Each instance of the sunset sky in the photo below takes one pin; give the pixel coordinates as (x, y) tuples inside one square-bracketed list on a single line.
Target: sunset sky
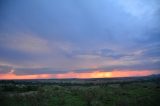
[(79, 38)]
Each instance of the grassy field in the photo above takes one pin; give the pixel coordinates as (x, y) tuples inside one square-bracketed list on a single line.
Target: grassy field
[(119, 93)]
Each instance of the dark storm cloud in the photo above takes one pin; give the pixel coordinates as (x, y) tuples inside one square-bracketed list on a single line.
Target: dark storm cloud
[(140, 67), (152, 52), (104, 53), (112, 54), (33, 71)]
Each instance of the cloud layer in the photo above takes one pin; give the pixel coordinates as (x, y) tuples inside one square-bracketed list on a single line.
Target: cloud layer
[(53, 37)]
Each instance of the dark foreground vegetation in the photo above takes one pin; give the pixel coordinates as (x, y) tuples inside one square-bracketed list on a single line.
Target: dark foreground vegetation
[(142, 91)]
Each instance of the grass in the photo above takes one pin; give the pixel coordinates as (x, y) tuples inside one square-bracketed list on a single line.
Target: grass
[(128, 94)]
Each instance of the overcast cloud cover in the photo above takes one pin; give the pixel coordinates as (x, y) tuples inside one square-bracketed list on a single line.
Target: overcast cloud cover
[(60, 36)]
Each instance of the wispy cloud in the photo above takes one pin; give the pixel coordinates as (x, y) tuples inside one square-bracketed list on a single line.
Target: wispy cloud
[(26, 42)]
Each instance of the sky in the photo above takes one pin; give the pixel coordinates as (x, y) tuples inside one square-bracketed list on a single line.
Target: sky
[(79, 38)]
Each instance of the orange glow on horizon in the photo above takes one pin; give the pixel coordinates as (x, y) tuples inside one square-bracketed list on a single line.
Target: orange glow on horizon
[(111, 74), (14, 76), (95, 74)]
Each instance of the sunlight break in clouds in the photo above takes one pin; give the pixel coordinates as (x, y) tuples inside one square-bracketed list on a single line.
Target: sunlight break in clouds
[(139, 8)]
